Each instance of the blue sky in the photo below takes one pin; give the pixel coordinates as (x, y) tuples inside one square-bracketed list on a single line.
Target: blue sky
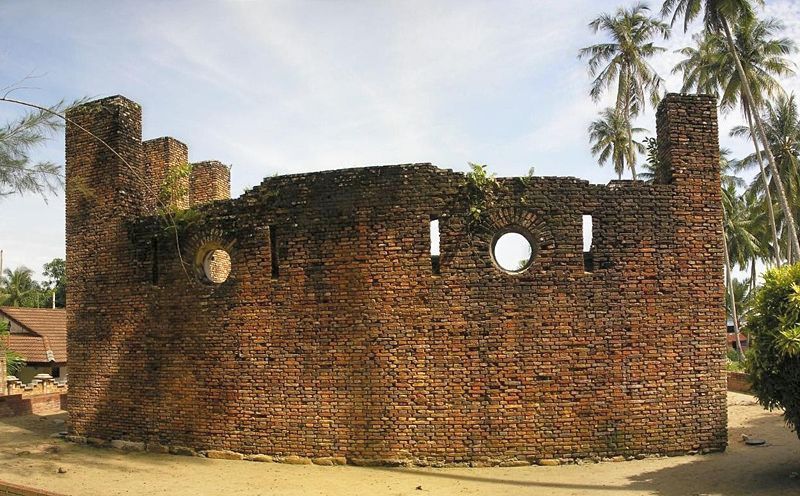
[(297, 86)]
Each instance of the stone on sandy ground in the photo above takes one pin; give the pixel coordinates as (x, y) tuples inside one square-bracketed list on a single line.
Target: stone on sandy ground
[(223, 455), (156, 448), (127, 445), (296, 460), (259, 458), (182, 450), (370, 462), (96, 441), (329, 460), (548, 462)]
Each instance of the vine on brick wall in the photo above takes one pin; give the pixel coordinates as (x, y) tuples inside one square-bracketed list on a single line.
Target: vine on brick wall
[(175, 186), (482, 189)]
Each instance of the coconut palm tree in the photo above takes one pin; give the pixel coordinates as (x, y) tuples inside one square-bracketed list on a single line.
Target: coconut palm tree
[(742, 294), (760, 227), (782, 124), (710, 68), (17, 287), (612, 140), (717, 18), (624, 61), (738, 243)]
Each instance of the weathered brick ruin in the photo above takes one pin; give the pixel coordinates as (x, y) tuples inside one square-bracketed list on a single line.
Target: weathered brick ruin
[(337, 334)]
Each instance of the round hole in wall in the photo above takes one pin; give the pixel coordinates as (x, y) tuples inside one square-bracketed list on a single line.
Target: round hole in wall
[(217, 266), (512, 250)]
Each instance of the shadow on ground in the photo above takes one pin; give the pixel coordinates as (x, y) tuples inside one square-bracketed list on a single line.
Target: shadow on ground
[(773, 469), (29, 456)]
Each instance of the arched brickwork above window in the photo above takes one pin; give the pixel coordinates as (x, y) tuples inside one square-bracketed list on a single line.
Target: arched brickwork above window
[(516, 219), (210, 256)]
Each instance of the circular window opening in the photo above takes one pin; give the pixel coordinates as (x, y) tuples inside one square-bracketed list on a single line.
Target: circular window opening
[(512, 251), (217, 266)]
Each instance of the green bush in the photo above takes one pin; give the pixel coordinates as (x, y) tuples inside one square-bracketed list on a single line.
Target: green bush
[(735, 364), (773, 328)]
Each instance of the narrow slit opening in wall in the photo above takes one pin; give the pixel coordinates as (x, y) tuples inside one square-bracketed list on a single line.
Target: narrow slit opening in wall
[(154, 261), (588, 253), (273, 251), (436, 261)]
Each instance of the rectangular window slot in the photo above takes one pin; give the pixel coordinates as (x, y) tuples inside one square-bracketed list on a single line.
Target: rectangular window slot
[(154, 261), (436, 263), (588, 253), (273, 251)]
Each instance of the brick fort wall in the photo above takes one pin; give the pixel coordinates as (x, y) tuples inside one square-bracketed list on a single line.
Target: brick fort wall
[(336, 333)]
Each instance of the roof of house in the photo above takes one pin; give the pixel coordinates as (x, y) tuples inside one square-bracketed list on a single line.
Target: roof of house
[(732, 337), (45, 336)]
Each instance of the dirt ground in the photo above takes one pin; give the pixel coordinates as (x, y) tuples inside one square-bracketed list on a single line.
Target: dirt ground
[(29, 456)]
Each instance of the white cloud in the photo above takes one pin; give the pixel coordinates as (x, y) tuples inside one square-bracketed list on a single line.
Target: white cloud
[(302, 86)]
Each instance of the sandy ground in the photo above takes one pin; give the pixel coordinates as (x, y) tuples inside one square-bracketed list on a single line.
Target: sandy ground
[(29, 456)]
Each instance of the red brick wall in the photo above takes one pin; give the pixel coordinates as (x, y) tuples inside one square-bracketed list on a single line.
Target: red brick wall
[(13, 405), (209, 181), (739, 382), (161, 155), (345, 343)]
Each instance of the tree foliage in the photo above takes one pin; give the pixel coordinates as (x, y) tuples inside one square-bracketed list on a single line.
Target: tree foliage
[(773, 328), (19, 173), (708, 66), (623, 61), (56, 273), (781, 119), (612, 141), (18, 288)]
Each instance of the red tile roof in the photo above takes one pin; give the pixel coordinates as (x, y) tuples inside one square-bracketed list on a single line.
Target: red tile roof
[(46, 331), (732, 337)]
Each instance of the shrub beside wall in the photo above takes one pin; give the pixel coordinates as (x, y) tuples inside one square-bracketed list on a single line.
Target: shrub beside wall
[(774, 333)]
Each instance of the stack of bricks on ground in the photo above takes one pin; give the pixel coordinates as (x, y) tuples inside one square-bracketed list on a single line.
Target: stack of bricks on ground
[(328, 330)]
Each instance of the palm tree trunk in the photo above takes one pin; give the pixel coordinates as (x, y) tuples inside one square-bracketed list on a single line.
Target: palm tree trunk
[(770, 209), (748, 97), (629, 118), (789, 253), (622, 107), (732, 295)]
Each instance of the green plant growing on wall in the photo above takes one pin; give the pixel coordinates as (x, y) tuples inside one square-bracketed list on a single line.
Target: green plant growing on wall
[(175, 187), (773, 328), (655, 170), (173, 190), (481, 188)]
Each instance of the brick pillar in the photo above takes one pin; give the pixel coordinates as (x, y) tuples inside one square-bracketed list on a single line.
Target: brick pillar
[(161, 156), (104, 191), (208, 182), (688, 143)]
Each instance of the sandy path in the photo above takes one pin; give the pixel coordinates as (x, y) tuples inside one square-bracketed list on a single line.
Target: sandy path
[(27, 457)]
